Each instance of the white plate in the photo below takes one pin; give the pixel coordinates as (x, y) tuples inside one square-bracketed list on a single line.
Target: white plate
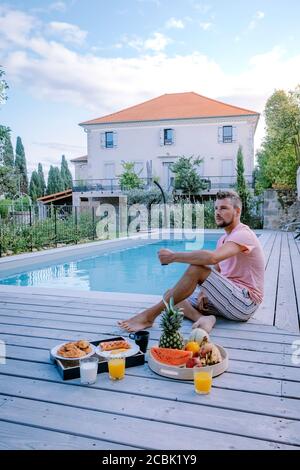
[(134, 348), (56, 348)]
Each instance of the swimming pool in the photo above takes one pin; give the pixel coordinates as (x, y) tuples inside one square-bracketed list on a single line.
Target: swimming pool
[(133, 269)]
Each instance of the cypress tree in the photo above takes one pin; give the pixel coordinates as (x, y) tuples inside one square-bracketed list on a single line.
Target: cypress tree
[(65, 173), (34, 186), (55, 184), (42, 183), (241, 186), (20, 165), (7, 150)]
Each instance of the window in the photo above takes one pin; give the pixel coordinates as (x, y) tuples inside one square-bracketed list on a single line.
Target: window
[(227, 134), (109, 140), (168, 136)]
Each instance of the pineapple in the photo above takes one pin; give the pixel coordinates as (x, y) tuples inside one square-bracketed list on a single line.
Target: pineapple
[(170, 323)]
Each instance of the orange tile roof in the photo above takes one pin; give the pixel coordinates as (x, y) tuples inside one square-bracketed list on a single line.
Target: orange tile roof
[(173, 106)]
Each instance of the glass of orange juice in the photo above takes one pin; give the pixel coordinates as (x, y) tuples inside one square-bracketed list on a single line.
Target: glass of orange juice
[(116, 367), (202, 379)]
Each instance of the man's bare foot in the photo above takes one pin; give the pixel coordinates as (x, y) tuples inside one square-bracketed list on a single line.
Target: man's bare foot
[(206, 323), (141, 321)]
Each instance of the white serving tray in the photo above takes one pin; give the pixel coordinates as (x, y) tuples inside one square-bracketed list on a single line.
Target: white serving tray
[(183, 373)]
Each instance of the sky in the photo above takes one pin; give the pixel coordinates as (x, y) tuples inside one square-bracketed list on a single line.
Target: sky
[(73, 60)]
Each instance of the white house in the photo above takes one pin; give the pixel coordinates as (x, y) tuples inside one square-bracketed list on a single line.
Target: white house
[(160, 131)]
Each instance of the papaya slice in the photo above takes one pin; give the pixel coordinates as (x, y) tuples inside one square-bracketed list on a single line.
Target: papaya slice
[(170, 357)]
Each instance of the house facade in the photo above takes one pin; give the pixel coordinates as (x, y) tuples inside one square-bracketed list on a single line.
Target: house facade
[(161, 130)]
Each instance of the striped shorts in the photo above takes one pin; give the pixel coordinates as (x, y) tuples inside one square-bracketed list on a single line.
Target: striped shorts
[(225, 299)]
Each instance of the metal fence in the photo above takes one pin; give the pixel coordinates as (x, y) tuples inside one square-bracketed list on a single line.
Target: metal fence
[(46, 226), (40, 227)]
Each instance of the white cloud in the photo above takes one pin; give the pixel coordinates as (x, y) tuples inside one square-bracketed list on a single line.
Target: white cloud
[(58, 6), (101, 85), (68, 32), (259, 15), (15, 26), (157, 42), (203, 8), (206, 26), (174, 23)]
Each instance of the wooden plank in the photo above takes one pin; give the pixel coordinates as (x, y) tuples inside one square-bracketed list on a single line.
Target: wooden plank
[(286, 316), (110, 318), (35, 325), (291, 389), (266, 311), (143, 382), (42, 355), (123, 429), (21, 437), (239, 382), (237, 365), (295, 260), (42, 338), (268, 243), (156, 409)]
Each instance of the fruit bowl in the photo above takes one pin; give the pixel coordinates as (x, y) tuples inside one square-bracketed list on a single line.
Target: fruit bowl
[(184, 373)]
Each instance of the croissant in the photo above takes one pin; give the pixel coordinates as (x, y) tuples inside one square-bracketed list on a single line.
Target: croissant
[(111, 345)]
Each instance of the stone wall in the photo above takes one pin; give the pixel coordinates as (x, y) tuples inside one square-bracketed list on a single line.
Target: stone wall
[(280, 207)]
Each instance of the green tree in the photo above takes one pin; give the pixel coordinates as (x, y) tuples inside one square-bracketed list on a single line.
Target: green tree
[(65, 173), (55, 184), (7, 148), (242, 187), (42, 183), (281, 146), (187, 178), (3, 87), (20, 166), (129, 179), (34, 186), (3, 97), (8, 182)]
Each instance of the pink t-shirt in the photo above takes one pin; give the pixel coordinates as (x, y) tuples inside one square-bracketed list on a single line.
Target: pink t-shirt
[(247, 268)]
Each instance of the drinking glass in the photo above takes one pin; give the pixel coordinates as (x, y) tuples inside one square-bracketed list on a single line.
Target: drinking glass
[(88, 370), (202, 379), (116, 367)]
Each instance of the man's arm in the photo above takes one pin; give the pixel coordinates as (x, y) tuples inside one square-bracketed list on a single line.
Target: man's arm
[(201, 257)]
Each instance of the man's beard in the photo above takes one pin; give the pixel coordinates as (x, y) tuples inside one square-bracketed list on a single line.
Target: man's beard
[(223, 224)]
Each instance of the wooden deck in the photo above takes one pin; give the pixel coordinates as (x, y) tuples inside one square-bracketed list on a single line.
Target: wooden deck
[(255, 405)]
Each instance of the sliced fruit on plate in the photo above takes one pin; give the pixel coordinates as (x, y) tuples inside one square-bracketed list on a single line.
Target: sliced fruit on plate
[(171, 357)]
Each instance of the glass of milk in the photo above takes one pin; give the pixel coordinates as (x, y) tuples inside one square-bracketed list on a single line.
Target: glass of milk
[(88, 370)]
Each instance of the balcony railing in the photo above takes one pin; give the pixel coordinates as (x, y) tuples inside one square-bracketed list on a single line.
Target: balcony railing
[(112, 185), (105, 185)]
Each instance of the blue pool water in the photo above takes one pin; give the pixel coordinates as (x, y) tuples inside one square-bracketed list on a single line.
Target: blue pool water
[(131, 270)]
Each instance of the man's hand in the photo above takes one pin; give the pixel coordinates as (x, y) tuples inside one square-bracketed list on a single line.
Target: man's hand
[(202, 302), (166, 256)]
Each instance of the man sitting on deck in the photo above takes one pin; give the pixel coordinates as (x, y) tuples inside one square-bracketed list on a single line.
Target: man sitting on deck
[(232, 289)]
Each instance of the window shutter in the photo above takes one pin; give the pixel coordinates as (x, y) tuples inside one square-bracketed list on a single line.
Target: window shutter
[(115, 139), (102, 140), (161, 137), (173, 137), (220, 134), (234, 133)]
